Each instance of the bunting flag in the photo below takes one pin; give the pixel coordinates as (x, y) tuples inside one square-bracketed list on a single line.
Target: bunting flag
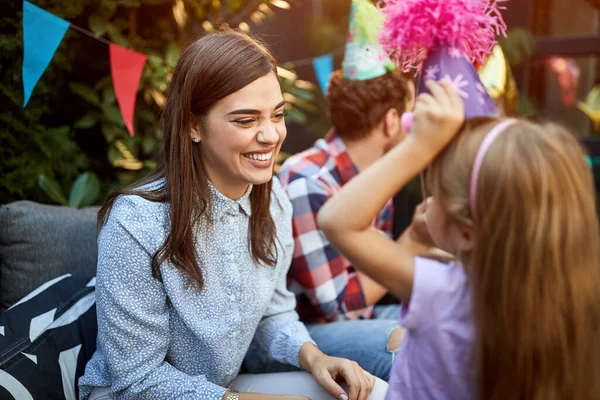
[(42, 33), (323, 66), (126, 67)]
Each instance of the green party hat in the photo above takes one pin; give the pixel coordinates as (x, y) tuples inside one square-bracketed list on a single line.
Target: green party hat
[(364, 57)]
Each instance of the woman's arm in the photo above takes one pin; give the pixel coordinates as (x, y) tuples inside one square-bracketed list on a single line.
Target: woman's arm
[(287, 340), (133, 317), (346, 217)]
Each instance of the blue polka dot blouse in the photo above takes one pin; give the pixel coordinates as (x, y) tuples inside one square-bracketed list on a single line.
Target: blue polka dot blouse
[(169, 340)]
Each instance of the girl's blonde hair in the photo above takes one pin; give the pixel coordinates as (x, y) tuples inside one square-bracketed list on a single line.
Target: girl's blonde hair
[(534, 273)]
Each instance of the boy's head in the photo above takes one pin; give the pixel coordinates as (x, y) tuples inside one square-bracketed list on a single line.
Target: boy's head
[(357, 108)]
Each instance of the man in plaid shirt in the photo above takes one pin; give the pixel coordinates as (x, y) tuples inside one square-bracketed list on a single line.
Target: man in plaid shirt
[(328, 288)]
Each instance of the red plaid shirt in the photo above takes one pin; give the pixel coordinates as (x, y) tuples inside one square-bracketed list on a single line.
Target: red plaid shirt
[(325, 283)]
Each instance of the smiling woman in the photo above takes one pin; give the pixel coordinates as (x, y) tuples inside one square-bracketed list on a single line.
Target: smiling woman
[(241, 134), (192, 260)]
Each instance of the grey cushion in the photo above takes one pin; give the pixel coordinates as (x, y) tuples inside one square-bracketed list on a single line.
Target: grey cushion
[(39, 242)]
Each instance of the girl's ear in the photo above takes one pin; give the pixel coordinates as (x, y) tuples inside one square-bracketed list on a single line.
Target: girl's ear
[(466, 241)]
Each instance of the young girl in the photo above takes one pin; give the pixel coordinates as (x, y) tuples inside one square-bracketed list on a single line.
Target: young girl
[(516, 316)]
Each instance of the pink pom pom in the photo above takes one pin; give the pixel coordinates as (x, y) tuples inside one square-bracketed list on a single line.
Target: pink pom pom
[(406, 121), (413, 27)]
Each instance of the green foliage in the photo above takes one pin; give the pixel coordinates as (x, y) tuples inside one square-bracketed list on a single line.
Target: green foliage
[(32, 141), (591, 107), (517, 46), (70, 144), (299, 95), (84, 191), (52, 189)]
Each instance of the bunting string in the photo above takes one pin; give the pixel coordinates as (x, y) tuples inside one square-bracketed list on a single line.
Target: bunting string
[(44, 31), (302, 62)]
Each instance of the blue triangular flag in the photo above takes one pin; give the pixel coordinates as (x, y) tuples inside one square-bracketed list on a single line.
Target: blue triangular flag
[(323, 66), (42, 33)]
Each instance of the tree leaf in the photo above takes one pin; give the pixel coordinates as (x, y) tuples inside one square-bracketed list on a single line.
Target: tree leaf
[(148, 145), (87, 121), (303, 93), (112, 132), (294, 115), (52, 189), (593, 98), (149, 164), (145, 115), (114, 154), (97, 24), (108, 9), (85, 92), (172, 53), (60, 131), (298, 102), (116, 36), (85, 190), (108, 95), (104, 82), (112, 113)]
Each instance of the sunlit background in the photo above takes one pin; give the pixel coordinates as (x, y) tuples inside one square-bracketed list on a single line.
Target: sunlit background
[(71, 135)]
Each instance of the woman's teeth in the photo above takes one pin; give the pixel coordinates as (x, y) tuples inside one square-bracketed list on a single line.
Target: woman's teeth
[(259, 156)]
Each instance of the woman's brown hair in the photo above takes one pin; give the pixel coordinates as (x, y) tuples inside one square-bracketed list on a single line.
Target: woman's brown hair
[(210, 69), (356, 107), (534, 273)]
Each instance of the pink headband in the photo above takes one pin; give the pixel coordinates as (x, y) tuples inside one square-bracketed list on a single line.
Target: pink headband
[(483, 149)]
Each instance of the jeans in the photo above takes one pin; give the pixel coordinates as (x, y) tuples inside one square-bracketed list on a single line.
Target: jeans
[(363, 341)]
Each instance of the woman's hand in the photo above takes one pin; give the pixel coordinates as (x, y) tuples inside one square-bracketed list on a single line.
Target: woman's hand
[(262, 396), (438, 116), (327, 371)]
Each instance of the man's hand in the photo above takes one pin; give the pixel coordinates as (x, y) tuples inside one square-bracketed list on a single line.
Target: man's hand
[(372, 291), (419, 232), (417, 239)]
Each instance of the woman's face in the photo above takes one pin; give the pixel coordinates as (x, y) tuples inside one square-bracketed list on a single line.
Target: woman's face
[(242, 136)]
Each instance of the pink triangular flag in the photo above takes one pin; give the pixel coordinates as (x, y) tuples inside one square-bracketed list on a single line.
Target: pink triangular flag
[(126, 68)]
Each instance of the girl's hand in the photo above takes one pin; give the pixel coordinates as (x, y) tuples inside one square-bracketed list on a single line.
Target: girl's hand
[(438, 116)]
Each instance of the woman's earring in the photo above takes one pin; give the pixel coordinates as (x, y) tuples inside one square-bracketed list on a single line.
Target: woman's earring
[(196, 139)]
